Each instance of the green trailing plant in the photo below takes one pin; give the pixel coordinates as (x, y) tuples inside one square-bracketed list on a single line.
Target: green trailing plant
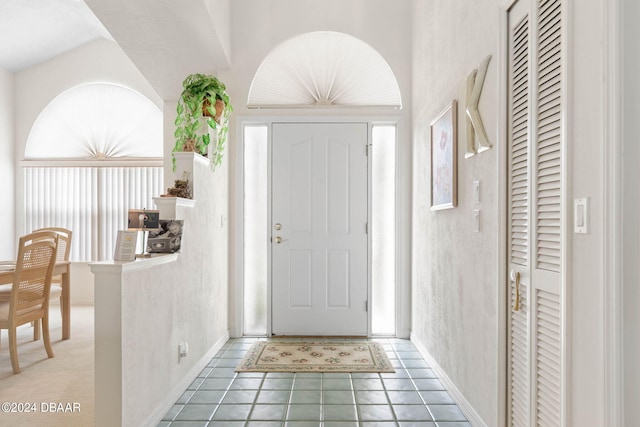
[(203, 100)]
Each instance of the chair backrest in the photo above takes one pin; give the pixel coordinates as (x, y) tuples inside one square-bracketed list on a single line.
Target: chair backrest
[(34, 268), (64, 242)]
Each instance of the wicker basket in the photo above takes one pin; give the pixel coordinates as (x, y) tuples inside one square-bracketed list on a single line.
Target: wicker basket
[(219, 109)]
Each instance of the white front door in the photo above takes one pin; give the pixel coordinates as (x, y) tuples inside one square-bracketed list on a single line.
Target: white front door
[(319, 229)]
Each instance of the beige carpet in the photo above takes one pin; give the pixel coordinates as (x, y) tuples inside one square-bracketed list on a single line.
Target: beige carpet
[(315, 356), (66, 379)]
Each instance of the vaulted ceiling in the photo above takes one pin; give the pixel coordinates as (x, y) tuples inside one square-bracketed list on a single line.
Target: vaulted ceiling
[(34, 31), (165, 39)]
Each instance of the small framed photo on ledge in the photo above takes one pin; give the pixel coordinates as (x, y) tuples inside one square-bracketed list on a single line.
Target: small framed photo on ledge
[(142, 219), (167, 239), (443, 132), (126, 245)]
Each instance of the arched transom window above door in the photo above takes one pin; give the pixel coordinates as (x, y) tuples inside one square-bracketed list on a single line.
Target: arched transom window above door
[(324, 69)]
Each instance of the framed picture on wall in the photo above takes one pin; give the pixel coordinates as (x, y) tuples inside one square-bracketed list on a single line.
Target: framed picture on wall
[(444, 142)]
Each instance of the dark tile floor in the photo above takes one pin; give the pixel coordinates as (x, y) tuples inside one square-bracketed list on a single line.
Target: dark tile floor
[(412, 396)]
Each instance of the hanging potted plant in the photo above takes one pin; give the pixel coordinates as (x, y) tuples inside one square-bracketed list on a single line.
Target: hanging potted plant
[(203, 104)]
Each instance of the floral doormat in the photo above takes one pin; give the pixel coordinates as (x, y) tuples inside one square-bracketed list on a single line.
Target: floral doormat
[(315, 356)]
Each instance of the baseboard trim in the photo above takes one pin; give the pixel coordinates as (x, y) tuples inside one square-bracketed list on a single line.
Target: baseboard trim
[(177, 391), (467, 409)]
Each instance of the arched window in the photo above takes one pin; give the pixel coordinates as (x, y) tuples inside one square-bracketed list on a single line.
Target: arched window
[(94, 152), (324, 69)]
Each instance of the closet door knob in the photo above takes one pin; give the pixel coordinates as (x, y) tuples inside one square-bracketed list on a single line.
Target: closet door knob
[(516, 304)]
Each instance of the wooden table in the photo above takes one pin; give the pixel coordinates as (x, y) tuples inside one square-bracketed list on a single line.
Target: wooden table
[(61, 268)]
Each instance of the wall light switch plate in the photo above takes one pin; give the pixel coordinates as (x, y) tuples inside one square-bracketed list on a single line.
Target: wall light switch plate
[(183, 350), (476, 220), (476, 191), (581, 216)]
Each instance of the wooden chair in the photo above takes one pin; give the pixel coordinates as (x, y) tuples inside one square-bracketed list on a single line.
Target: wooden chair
[(29, 300), (64, 248)]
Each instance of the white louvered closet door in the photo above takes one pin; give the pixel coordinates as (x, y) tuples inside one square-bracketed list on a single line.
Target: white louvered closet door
[(535, 108)]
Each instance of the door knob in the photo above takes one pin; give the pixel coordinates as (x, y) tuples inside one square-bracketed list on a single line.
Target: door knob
[(516, 276), (279, 239)]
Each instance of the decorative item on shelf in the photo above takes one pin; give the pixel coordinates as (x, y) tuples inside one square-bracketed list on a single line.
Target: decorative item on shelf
[(203, 104), (181, 188), (168, 238), (126, 245), (143, 220)]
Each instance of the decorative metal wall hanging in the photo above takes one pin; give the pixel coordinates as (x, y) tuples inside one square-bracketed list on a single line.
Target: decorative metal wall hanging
[(475, 127)]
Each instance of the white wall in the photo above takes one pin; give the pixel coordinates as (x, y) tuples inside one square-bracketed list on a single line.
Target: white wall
[(258, 27), (585, 154), (220, 12), (142, 315), (82, 291), (455, 273), (7, 169)]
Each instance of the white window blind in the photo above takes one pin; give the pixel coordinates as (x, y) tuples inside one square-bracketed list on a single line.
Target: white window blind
[(323, 69), (91, 201)]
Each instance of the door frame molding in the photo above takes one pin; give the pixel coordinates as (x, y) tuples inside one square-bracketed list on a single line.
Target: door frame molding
[(502, 156), (613, 216), (403, 303)]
